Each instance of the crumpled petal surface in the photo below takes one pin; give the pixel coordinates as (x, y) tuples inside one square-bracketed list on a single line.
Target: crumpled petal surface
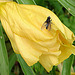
[(22, 24)]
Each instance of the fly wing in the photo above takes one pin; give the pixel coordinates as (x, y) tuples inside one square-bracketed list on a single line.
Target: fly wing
[(44, 26), (49, 26), (52, 23)]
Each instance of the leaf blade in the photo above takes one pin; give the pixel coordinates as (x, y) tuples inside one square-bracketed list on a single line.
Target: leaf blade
[(67, 66), (26, 2), (12, 60), (25, 68), (68, 6), (4, 64)]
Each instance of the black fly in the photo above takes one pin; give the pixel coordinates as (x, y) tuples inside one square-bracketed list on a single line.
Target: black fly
[(47, 23)]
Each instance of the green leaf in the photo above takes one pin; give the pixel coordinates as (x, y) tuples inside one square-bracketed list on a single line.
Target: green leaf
[(12, 73), (4, 65), (72, 22), (25, 68), (72, 2), (56, 6), (26, 2), (67, 65), (69, 5), (40, 2), (12, 60), (38, 68)]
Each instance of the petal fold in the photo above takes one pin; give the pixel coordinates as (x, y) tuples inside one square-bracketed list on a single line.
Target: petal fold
[(10, 34), (65, 53), (46, 62), (29, 50)]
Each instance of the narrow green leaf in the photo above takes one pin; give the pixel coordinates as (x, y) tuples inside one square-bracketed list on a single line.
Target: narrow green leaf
[(71, 2), (26, 2), (4, 65), (67, 65), (12, 60), (25, 68), (69, 5)]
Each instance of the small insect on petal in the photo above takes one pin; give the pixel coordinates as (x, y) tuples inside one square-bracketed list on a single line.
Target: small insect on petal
[(47, 23)]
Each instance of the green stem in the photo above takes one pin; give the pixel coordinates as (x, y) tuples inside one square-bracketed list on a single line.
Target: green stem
[(67, 66)]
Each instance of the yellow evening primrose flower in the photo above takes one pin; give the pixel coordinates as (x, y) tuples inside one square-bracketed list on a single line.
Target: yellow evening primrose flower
[(22, 24)]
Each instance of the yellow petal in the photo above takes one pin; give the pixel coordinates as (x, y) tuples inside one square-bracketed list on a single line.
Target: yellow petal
[(28, 16), (64, 40), (65, 53), (69, 34), (67, 43), (10, 34), (55, 53), (25, 24), (29, 50), (72, 49), (47, 61)]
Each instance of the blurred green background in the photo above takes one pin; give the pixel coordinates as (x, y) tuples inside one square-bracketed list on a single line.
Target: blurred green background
[(14, 64)]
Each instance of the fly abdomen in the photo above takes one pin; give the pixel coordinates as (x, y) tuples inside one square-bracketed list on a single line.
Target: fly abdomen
[(47, 26)]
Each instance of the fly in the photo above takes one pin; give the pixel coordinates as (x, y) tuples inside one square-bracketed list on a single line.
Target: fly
[(47, 23)]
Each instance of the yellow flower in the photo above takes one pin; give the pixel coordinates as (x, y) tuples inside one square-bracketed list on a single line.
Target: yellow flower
[(22, 24)]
